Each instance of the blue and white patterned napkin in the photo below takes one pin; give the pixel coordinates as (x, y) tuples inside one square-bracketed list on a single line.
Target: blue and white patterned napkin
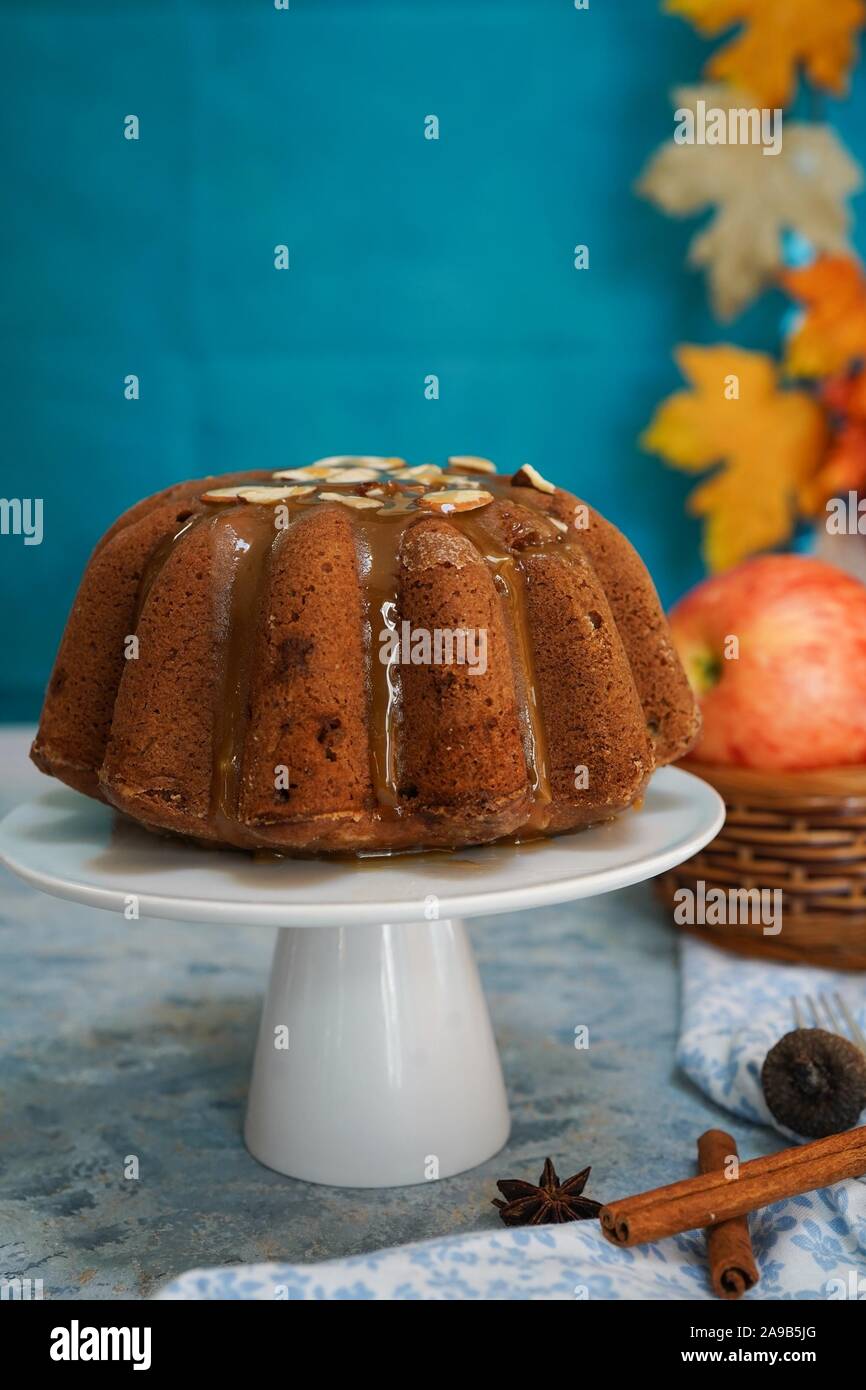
[(734, 1010), (811, 1247)]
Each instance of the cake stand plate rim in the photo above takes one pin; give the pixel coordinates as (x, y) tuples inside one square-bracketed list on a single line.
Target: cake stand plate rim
[(61, 843)]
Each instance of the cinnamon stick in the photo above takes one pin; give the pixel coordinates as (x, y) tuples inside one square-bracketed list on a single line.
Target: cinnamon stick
[(729, 1246), (711, 1197)]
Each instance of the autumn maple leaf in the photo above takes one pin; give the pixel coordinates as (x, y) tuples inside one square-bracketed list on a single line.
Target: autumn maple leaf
[(844, 468), (833, 331), (846, 395), (803, 187), (778, 37), (766, 442)]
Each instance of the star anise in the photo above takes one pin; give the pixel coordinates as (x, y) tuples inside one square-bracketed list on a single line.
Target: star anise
[(551, 1200)]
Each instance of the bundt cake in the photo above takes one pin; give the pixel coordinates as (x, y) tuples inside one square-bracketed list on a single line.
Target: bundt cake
[(363, 656)]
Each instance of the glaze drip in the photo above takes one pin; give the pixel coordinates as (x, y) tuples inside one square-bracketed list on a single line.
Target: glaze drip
[(378, 544), (158, 558), (510, 581), (243, 539)]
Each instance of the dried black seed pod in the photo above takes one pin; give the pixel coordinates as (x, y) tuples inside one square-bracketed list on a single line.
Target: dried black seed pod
[(815, 1082)]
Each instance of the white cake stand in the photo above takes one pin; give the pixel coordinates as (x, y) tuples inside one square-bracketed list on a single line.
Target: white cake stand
[(376, 1063)]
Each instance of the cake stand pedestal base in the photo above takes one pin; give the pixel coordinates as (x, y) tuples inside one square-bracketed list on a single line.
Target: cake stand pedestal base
[(376, 1064)]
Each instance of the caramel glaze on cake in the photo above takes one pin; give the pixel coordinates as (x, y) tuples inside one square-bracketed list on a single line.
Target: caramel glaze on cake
[(252, 708)]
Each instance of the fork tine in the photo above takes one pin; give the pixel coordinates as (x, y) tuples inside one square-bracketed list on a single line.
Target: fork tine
[(835, 1025), (798, 1017), (816, 1017), (856, 1030)]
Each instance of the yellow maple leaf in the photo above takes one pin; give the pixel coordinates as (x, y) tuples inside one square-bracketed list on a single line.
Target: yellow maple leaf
[(757, 197), (777, 37), (833, 330), (766, 444)]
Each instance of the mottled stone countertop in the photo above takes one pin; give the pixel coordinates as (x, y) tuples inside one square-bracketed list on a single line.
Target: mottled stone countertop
[(122, 1038)]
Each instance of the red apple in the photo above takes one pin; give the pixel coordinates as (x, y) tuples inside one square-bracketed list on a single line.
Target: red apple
[(795, 694)]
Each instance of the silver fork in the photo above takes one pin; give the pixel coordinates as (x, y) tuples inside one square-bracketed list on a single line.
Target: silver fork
[(832, 1017)]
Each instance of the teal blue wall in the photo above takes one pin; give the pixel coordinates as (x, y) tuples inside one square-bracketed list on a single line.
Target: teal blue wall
[(408, 257)]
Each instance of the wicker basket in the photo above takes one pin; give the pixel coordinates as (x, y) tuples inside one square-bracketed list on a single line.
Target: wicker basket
[(802, 832)]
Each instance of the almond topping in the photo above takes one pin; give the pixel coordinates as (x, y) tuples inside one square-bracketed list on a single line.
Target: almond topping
[(421, 473), (471, 464), (295, 475), (456, 480), (319, 472), (349, 499), (273, 494), (260, 492), (220, 494), (353, 475), (356, 460), (455, 500), (527, 476)]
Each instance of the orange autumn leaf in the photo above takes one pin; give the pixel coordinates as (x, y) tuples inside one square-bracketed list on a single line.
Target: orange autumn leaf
[(777, 37), (765, 443), (844, 469), (833, 331), (846, 395)]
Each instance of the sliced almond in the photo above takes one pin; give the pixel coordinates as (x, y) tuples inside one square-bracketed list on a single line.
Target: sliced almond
[(349, 499), (354, 475), (273, 494), (317, 473), (220, 494), (456, 480), (421, 473), (295, 475), (455, 499), (471, 464), (260, 492), (560, 525), (527, 476), (357, 460)]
